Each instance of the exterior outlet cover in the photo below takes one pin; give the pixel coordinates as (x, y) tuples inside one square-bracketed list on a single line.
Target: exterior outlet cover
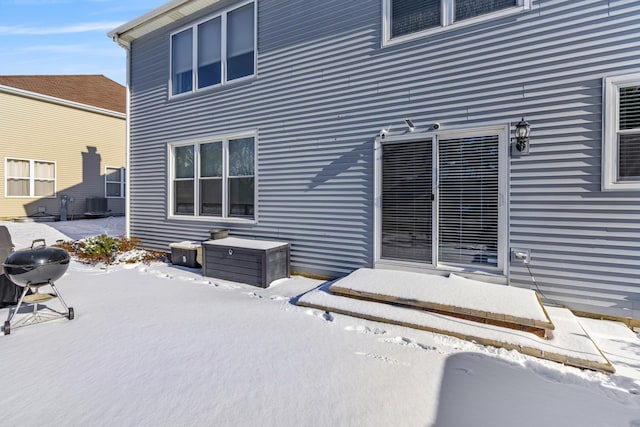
[(520, 255)]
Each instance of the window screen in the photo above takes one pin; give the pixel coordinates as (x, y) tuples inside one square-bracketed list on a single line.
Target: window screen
[(629, 134), (184, 179), (240, 42), (115, 182), (465, 9), (406, 201), (182, 61), (18, 174), (241, 177), (468, 200), (209, 53), (410, 16), (211, 179)]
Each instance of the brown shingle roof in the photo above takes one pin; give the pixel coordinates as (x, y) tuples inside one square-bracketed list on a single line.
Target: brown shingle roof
[(95, 90)]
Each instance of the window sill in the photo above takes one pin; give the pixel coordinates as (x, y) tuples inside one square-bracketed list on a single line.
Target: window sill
[(621, 186), (212, 219), (211, 89)]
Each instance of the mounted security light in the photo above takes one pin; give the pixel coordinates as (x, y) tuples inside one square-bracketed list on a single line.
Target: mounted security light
[(410, 125), (521, 140)]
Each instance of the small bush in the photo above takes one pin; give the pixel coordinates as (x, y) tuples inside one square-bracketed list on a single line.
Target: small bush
[(110, 250)]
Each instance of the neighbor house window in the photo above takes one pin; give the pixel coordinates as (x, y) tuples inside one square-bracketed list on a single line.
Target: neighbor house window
[(214, 178), (30, 178), (621, 135), (405, 18), (220, 49), (114, 182)]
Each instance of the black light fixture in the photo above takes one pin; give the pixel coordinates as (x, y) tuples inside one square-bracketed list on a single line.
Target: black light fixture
[(523, 129)]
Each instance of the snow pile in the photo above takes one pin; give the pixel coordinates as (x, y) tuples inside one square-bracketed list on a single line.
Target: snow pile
[(161, 345)]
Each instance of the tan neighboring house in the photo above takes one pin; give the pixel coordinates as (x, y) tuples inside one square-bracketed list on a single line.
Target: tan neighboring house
[(62, 146)]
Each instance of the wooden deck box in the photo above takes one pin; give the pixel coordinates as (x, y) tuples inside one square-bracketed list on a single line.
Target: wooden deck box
[(255, 262)]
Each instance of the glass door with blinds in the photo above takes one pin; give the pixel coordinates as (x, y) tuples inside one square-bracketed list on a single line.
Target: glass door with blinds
[(440, 201)]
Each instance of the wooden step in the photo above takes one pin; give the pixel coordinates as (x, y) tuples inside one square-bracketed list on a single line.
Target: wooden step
[(569, 344), (486, 303)]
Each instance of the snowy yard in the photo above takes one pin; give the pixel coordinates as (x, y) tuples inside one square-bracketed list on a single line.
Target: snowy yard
[(159, 345)]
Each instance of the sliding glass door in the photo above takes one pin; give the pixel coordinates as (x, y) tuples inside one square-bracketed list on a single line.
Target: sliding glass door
[(407, 227), (440, 201)]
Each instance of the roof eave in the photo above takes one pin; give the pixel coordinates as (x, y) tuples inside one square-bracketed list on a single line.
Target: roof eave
[(157, 18), (66, 102)]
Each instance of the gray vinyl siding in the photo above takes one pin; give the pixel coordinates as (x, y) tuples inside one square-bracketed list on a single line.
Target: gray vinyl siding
[(325, 87)]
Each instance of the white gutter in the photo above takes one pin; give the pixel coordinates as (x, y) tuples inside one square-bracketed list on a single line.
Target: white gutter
[(61, 101), (143, 19), (157, 18)]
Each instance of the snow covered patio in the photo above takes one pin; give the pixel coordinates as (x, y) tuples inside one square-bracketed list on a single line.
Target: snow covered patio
[(162, 345), (489, 314)]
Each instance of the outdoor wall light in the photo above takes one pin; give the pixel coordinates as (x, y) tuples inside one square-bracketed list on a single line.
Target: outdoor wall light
[(523, 129)]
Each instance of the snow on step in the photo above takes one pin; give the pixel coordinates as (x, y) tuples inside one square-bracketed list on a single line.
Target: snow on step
[(453, 294), (569, 345)]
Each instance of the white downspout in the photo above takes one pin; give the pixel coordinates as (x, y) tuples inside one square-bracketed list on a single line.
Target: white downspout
[(127, 209)]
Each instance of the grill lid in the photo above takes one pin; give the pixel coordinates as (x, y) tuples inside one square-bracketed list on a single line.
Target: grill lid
[(37, 256)]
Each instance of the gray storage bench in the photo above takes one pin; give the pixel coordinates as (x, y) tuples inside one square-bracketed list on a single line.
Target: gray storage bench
[(185, 254), (255, 262)]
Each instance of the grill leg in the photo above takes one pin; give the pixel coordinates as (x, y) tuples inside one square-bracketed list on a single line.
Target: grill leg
[(24, 292), (55, 291)]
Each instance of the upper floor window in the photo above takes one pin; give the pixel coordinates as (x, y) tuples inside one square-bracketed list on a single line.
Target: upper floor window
[(30, 178), (621, 135), (213, 52), (214, 178), (114, 182), (409, 18)]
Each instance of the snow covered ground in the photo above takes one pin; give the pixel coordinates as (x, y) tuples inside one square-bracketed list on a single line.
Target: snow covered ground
[(159, 345)]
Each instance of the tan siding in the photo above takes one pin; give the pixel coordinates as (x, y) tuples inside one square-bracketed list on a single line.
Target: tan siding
[(82, 144)]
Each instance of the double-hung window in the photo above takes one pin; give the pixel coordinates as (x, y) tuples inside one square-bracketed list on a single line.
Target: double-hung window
[(30, 178), (214, 178), (214, 52), (114, 182), (621, 135), (413, 18)]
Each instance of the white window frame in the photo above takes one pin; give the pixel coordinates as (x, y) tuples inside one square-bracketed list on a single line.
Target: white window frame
[(194, 45), (122, 182), (447, 20), (503, 190), (225, 176), (611, 109), (32, 178)]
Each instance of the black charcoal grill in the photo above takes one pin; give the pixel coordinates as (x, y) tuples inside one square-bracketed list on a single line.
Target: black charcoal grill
[(33, 269)]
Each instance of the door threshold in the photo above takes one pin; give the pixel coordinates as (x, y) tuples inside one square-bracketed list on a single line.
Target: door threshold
[(480, 275)]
